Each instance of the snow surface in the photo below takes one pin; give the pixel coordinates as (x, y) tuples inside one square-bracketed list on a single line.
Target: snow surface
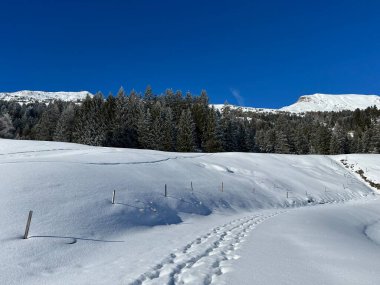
[(364, 162), (329, 244), (27, 96), (198, 234)]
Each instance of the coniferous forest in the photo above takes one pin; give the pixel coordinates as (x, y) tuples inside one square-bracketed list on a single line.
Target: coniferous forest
[(185, 123)]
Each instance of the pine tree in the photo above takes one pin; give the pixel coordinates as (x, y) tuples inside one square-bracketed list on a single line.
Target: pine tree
[(321, 140), (89, 127), (375, 140), (211, 142), (301, 140), (281, 144), (133, 111), (46, 126), (7, 130), (65, 125), (119, 132), (185, 139), (148, 95), (109, 116), (168, 129), (144, 130)]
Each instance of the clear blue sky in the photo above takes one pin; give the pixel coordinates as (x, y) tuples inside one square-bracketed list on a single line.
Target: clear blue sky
[(267, 52)]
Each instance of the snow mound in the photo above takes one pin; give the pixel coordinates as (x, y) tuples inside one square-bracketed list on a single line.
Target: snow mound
[(27, 96), (327, 103)]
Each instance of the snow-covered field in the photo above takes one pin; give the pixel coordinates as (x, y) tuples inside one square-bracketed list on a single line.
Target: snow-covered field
[(228, 218)]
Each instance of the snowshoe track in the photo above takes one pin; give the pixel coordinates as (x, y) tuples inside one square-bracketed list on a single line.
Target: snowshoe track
[(202, 260)]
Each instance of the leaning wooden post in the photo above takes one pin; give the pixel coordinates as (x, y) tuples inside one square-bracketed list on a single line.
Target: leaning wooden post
[(166, 190), (28, 224), (113, 196)]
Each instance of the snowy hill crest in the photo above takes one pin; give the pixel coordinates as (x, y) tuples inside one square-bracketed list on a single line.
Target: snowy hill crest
[(318, 103), (328, 102), (27, 96)]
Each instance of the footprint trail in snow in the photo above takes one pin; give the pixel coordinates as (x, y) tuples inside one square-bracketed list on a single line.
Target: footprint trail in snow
[(203, 260)]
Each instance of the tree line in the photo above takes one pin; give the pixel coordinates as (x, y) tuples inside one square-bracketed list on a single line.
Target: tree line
[(186, 123)]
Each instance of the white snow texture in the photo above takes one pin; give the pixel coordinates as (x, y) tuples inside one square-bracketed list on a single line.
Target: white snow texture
[(228, 218)]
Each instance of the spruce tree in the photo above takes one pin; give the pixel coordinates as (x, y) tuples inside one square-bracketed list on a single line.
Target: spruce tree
[(7, 129), (46, 126), (211, 142), (375, 140), (185, 138), (65, 125), (90, 128), (168, 130)]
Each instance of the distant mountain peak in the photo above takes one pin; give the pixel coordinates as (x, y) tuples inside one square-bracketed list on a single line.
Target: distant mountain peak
[(329, 102), (28, 96), (317, 103)]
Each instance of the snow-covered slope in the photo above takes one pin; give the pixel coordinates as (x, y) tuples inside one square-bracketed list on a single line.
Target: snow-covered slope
[(244, 109), (327, 102), (27, 96), (317, 103), (78, 236)]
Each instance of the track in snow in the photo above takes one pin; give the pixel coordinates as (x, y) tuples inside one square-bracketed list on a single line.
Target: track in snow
[(203, 260)]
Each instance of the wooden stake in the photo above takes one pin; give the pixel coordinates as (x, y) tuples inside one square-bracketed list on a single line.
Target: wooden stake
[(191, 183), (113, 196), (287, 194), (28, 224), (222, 187), (166, 191)]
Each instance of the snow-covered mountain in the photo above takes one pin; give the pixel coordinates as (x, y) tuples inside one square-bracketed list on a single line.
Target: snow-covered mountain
[(27, 96), (220, 107), (307, 103), (318, 103), (328, 102)]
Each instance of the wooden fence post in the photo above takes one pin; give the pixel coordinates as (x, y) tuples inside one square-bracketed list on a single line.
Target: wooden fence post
[(166, 190), (28, 225), (287, 194), (222, 187), (191, 184), (113, 196)]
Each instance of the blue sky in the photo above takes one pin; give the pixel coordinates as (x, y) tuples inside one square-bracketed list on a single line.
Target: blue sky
[(256, 53)]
